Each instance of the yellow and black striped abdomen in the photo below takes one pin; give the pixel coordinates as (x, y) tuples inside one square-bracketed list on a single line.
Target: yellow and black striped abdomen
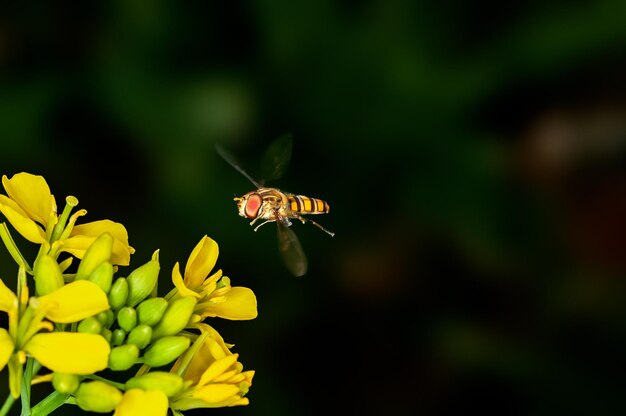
[(305, 205)]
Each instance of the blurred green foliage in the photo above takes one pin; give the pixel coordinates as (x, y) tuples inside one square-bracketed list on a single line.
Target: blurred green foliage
[(472, 155)]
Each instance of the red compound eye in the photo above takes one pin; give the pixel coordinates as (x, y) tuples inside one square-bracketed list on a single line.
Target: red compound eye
[(253, 204)]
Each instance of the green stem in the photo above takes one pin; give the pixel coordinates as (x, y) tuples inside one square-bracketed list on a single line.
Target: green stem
[(7, 405), (25, 394), (52, 402), (12, 248)]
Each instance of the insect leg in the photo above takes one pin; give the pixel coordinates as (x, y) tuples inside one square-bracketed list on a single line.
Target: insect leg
[(263, 223), (304, 220)]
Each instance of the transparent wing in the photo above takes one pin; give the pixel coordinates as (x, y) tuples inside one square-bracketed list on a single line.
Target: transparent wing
[(290, 250), (232, 160), (276, 158)]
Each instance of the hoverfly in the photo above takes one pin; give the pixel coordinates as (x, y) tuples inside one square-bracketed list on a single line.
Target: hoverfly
[(273, 205)]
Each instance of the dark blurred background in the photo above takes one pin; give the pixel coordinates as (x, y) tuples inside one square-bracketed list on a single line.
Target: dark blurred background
[(472, 154)]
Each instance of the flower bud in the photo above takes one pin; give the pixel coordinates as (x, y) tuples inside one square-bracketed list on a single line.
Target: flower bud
[(127, 318), (141, 281), (168, 383), (97, 396), (107, 334), (48, 276), (165, 350), (118, 336), (65, 383), (119, 293), (140, 336), (98, 252), (150, 311), (90, 325), (175, 318), (103, 276), (123, 357), (106, 318)]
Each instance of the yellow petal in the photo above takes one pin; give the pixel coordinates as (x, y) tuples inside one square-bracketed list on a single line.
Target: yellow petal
[(32, 194), (177, 279), (8, 299), (201, 261), (239, 304), (78, 245), (216, 393), (217, 368), (21, 221), (121, 249), (70, 352), (74, 301), (6, 347), (137, 402)]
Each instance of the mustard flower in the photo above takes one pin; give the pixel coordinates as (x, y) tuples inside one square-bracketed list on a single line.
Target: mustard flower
[(80, 323), (214, 375), (216, 297), (64, 352), (31, 209)]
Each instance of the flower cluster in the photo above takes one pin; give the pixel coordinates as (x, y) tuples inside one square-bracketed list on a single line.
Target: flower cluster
[(84, 322)]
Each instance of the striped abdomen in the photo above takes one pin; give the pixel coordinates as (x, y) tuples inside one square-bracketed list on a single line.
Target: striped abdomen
[(305, 205)]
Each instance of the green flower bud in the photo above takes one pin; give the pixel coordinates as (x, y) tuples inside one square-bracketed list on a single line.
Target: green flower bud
[(103, 276), (140, 336), (151, 310), (127, 318), (65, 383), (107, 334), (118, 336), (90, 325), (48, 276), (165, 350), (97, 396), (175, 318), (142, 281), (98, 252), (106, 318), (119, 293), (123, 357), (168, 383)]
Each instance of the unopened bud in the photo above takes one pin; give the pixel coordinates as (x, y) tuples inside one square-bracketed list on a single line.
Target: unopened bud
[(103, 276), (107, 334), (48, 276), (97, 396), (168, 383), (127, 318), (65, 383), (165, 350), (99, 251), (123, 357), (141, 281), (90, 325), (118, 336), (119, 293), (106, 318), (150, 311), (140, 336), (175, 318)]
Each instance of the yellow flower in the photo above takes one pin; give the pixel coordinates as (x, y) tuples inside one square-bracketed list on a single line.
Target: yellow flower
[(31, 208), (216, 297), (215, 376), (63, 352)]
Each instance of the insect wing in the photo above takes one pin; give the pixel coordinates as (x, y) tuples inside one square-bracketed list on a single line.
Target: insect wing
[(290, 250), (232, 160), (276, 158)]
